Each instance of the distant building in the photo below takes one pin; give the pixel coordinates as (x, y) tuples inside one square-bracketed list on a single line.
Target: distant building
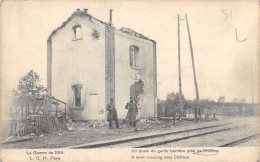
[(89, 61)]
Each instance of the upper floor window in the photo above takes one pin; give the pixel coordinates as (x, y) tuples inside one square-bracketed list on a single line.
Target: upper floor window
[(134, 60), (77, 31)]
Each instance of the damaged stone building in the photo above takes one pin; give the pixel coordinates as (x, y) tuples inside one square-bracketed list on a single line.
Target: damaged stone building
[(90, 61)]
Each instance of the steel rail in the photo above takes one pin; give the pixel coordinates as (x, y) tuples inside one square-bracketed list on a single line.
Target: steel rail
[(239, 140), (119, 141), (183, 138)]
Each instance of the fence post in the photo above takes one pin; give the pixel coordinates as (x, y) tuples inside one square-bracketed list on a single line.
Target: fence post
[(11, 131), (57, 109)]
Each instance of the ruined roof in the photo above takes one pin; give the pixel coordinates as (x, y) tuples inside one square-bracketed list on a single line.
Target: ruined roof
[(134, 33), (76, 13), (80, 13)]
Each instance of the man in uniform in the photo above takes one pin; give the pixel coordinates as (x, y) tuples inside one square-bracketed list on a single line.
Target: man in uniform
[(112, 114), (132, 111)]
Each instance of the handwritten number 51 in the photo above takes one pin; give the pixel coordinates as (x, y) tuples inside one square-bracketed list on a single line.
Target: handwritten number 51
[(228, 14)]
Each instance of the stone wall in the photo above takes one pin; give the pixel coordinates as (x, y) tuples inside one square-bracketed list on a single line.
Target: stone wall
[(79, 61), (125, 76), (101, 65)]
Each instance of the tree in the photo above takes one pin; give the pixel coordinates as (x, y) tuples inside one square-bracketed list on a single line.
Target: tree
[(205, 102), (170, 96), (174, 104), (30, 84), (27, 88), (161, 107), (221, 99), (235, 100), (243, 100)]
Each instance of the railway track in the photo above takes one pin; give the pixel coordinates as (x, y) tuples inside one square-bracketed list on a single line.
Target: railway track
[(162, 142), (170, 137), (159, 139), (238, 141)]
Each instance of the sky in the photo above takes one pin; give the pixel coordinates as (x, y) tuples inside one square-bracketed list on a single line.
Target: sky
[(222, 59)]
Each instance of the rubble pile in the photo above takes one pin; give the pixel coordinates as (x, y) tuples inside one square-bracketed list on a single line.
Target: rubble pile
[(82, 125), (13, 139), (85, 125)]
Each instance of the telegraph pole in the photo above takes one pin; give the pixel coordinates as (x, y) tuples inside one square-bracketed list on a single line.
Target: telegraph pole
[(194, 72), (179, 54)]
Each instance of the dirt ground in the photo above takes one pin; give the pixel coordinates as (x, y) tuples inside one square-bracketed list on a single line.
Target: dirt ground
[(81, 134)]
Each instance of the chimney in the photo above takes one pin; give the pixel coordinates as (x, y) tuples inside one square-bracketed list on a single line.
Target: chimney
[(110, 20), (85, 10)]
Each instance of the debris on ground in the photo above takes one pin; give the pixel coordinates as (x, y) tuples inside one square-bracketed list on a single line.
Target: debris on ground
[(70, 128), (13, 139), (84, 125), (82, 133), (8, 138)]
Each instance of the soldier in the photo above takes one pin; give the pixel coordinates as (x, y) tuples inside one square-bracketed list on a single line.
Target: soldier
[(214, 112), (112, 114), (132, 111), (207, 110)]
